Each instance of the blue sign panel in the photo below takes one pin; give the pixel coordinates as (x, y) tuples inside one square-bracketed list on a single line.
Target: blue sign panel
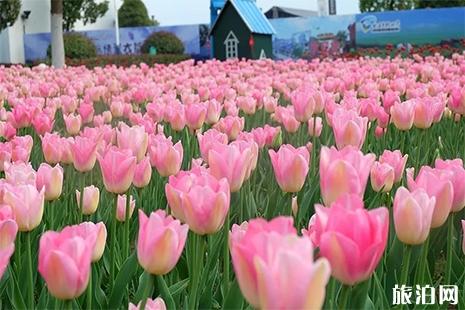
[(414, 27)]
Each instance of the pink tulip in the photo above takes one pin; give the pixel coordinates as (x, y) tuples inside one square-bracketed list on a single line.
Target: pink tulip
[(205, 205), (195, 115), (437, 183), (118, 167), (213, 112), (51, 147), (382, 177), (343, 171), (121, 207), (208, 139), (402, 114), (349, 128), (90, 200), (230, 162), (20, 173), (290, 167), (152, 304), (353, 254), (160, 243), (8, 231), (93, 233), (457, 100), (64, 261), (134, 139), (84, 152), (396, 161), (275, 267), (457, 178), (51, 178), (66, 150), (175, 115), (143, 173), (303, 104), (73, 123), (42, 123), (413, 212), (231, 126), (424, 114), (27, 204), (315, 126), (86, 111), (164, 156), (287, 118)]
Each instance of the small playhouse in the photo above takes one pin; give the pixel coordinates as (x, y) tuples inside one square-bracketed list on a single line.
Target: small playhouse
[(241, 30)]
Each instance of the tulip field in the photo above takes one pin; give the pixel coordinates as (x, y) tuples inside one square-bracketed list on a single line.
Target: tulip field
[(329, 184)]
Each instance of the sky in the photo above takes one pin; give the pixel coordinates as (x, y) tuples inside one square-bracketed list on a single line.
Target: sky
[(181, 12)]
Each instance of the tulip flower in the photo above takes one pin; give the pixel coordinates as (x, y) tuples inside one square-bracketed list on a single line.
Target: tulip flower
[(64, 262), (134, 139), (118, 167), (89, 201), (84, 152), (402, 114), (94, 233), (151, 304), (143, 173), (51, 178), (303, 104), (51, 147), (230, 162), (8, 231), (121, 207), (195, 115), (382, 177), (73, 123), (27, 204), (315, 126), (164, 156), (353, 259), (206, 204), (457, 178), (42, 123), (231, 126), (349, 128), (290, 166), (213, 112), (437, 183), (20, 173), (260, 251), (396, 161), (160, 242), (343, 171), (423, 115), (413, 212), (208, 139)]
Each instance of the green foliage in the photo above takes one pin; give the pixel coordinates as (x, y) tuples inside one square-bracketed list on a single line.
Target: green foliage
[(77, 46), (9, 11), (86, 10), (133, 13), (421, 4), (127, 60), (164, 42), (386, 5)]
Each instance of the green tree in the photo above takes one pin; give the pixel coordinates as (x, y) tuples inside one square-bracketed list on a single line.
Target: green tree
[(9, 11), (421, 4), (133, 13), (86, 10), (386, 5)]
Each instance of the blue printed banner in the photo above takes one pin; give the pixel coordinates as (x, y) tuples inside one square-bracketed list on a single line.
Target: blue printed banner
[(414, 27), (131, 39)]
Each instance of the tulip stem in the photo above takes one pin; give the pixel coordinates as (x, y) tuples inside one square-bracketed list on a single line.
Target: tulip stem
[(344, 297), (450, 248), (165, 293), (126, 226), (405, 264), (81, 198), (423, 260), (89, 291), (147, 290), (30, 300), (197, 265), (226, 255), (113, 241)]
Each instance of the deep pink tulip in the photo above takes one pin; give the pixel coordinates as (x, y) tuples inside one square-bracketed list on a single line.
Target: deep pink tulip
[(413, 212), (457, 178), (290, 167), (353, 253), (50, 178), (118, 167), (396, 161), (343, 171), (160, 242), (437, 183), (64, 261)]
